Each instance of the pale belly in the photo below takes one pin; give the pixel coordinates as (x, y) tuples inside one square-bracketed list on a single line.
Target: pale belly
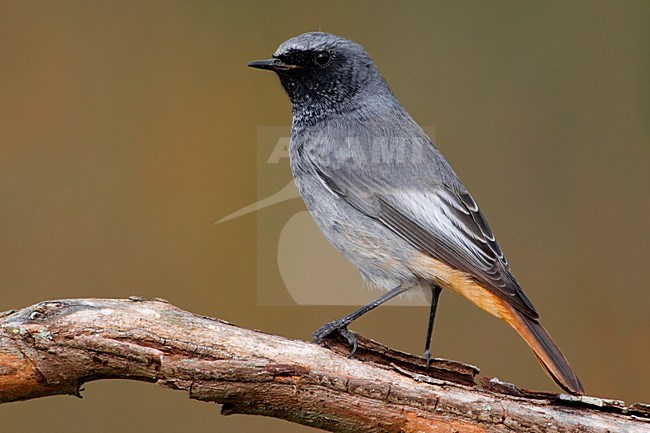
[(381, 256)]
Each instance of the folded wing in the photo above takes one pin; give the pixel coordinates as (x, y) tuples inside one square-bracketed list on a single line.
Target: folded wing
[(438, 217)]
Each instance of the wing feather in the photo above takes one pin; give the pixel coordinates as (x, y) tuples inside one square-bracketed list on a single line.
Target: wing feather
[(437, 220)]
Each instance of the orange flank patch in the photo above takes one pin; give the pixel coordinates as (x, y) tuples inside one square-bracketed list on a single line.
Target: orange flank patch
[(461, 283), (540, 342)]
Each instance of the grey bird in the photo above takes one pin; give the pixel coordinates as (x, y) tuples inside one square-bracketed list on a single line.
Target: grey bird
[(384, 196)]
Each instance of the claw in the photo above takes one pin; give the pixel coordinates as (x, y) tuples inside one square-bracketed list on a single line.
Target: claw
[(427, 357), (319, 335), (352, 340)]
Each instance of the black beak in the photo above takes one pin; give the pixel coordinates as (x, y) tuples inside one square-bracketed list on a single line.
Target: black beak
[(272, 65)]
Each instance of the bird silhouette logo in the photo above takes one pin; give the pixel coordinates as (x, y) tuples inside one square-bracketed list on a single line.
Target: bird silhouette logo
[(295, 263)]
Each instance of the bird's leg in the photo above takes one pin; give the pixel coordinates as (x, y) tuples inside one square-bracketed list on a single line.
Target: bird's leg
[(341, 325), (435, 294)]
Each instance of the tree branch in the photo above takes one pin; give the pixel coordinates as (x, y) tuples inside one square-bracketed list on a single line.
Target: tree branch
[(54, 347)]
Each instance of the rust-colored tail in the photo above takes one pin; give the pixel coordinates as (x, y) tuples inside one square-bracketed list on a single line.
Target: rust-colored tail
[(546, 351), (542, 345)]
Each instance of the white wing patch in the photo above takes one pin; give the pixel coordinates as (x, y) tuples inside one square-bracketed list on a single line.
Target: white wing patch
[(436, 212)]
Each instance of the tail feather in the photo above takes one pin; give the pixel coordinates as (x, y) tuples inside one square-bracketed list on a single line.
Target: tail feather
[(546, 351), (542, 345)]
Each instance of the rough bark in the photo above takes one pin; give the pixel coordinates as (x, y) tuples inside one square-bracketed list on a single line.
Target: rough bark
[(55, 346)]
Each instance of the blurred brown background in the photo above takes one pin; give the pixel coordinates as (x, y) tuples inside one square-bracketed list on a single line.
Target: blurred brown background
[(128, 128)]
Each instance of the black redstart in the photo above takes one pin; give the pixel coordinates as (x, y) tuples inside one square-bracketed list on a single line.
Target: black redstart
[(382, 194)]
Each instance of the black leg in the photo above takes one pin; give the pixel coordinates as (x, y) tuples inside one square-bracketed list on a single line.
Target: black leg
[(435, 294), (341, 325)]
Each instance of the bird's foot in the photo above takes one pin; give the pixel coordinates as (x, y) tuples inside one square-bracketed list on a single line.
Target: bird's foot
[(342, 328), (427, 358)]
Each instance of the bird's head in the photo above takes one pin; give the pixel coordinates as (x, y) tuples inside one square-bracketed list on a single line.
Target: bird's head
[(323, 73)]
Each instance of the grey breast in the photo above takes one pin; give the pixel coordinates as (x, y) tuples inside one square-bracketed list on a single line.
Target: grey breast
[(378, 253)]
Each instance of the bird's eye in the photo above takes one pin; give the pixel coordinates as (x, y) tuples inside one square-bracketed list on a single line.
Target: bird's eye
[(322, 58)]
